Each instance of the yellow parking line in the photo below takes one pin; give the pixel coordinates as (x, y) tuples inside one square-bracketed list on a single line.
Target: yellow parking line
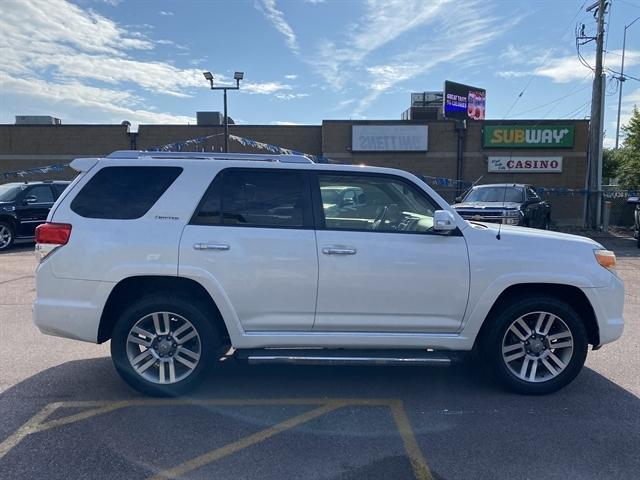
[(418, 462), (28, 428), (38, 423), (258, 437)]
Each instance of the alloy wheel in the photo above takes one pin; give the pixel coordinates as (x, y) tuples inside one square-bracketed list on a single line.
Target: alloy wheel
[(163, 348), (537, 347), (5, 236)]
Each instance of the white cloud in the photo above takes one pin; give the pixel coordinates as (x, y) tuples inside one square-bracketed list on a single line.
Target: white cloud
[(276, 17), (476, 25), (568, 68), (280, 122), (112, 105), (265, 88), (166, 13), (290, 96), (291, 77), (82, 52), (441, 32)]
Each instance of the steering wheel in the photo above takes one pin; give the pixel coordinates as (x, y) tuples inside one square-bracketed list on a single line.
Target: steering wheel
[(379, 218)]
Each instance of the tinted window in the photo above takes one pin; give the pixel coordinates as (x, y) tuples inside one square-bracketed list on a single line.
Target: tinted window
[(496, 194), (374, 202), (58, 188), (256, 198), (42, 194), (123, 192), (9, 192), (210, 207)]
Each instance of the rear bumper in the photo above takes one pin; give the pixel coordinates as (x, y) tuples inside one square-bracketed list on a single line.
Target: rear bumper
[(608, 303), (68, 308)]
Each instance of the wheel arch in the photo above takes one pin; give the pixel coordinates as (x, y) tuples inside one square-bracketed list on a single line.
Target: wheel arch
[(566, 293), (132, 288)]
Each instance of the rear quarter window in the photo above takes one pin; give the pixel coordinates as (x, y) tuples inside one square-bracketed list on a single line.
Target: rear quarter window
[(123, 193)]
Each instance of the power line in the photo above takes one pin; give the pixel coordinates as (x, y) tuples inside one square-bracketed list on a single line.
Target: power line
[(584, 87), (531, 77)]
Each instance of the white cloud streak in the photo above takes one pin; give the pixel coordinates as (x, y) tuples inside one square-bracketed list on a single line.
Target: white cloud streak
[(276, 17), (59, 54), (440, 37), (565, 68)]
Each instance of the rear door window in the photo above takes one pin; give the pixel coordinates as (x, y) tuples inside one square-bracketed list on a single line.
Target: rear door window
[(41, 194), (123, 193), (257, 198)]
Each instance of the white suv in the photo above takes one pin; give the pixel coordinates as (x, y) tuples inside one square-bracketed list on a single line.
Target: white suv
[(178, 258)]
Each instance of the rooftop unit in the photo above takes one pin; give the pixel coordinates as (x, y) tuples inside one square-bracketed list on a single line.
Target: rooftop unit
[(37, 120)]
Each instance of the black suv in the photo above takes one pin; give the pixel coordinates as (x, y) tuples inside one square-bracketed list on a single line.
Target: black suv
[(24, 206), (636, 217), (507, 203)]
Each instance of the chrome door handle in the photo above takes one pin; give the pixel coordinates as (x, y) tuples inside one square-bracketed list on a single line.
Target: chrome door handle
[(210, 246), (339, 251)]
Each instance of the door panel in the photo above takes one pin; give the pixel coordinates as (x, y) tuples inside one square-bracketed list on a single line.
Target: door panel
[(269, 274), (33, 214), (381, 267), (253, 233), (393, 282)]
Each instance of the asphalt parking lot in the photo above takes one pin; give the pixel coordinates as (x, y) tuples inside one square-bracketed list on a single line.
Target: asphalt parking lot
[(64, 413)]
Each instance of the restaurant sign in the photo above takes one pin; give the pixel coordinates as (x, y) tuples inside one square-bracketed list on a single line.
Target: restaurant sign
[(525, 136), (509, 164)]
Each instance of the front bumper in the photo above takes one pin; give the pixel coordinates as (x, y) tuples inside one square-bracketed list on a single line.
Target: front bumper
[(608, 303)]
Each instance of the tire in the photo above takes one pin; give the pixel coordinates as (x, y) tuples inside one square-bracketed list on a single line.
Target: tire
[(165, 327), (563, 327), (7, 236)]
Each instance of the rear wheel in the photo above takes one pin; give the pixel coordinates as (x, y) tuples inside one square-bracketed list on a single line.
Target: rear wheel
[(535, 346), (7, 236), (163, 345)]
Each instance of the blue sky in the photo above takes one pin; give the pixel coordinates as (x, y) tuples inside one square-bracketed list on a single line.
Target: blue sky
[(104, 61)]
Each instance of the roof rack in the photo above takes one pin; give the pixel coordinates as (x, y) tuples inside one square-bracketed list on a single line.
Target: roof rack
[(211, 156)]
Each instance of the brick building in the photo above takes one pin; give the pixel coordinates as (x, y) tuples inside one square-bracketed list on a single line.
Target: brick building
[(497, 151)]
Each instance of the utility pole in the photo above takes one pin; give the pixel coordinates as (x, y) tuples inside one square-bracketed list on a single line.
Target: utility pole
[(595, 124), (622, 79)]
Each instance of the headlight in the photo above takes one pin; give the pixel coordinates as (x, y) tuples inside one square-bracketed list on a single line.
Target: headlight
[(9, 208), (606, 258)]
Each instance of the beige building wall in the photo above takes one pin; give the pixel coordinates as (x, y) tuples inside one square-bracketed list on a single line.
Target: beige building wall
[(28, 146)]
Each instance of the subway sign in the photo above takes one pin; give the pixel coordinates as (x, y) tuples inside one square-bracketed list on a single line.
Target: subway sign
[(525, 136)]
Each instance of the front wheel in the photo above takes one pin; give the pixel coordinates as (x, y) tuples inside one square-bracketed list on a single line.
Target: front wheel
[(535, 346), (7, 236), (163, 345)]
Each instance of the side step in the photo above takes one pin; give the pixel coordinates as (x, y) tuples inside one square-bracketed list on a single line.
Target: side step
[(322, 356)]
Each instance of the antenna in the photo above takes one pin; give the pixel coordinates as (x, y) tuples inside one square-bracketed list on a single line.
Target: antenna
[(504, 198)]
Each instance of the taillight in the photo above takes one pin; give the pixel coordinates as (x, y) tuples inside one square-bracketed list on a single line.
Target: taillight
[(53, 233)]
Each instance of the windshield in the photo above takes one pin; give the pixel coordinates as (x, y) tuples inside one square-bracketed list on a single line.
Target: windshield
[(495, 194), (9, 192)]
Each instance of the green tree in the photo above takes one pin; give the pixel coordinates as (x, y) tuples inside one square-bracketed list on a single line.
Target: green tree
[(610, 164), (624, 163), (632, 131)]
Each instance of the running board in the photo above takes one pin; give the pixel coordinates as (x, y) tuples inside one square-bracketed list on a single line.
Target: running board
[(347, 357)]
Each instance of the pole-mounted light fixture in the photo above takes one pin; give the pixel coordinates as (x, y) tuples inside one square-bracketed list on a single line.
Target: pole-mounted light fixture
[(237, 76)]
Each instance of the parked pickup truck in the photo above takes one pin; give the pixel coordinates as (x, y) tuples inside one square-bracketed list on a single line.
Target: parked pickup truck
[(176, 257), (508, 203)]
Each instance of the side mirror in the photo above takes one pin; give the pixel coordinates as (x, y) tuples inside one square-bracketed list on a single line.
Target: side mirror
[(443, 221), (29, 199), (458, 199), (633, 200)]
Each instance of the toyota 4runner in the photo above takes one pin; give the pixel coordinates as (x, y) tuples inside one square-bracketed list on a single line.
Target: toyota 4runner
[(178, 258)]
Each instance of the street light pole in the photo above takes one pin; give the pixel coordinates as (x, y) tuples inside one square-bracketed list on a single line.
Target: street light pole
[(237, 76), (622, 79)]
